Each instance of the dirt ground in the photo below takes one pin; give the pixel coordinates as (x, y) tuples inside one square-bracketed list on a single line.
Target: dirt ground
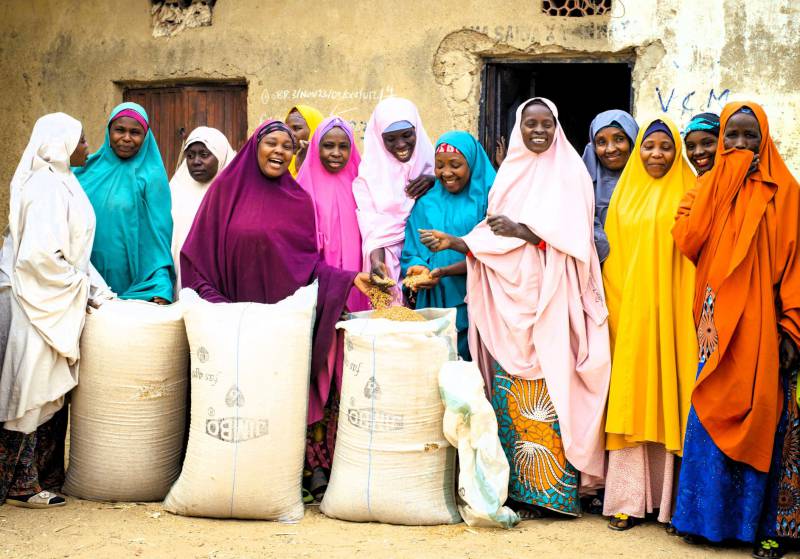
[(120, 530)]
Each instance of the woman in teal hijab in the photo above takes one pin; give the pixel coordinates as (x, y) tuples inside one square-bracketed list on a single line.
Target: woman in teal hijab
[(128, 187), (456, 203)]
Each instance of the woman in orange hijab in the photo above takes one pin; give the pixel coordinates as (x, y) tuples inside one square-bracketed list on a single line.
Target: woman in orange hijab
[(740, 227)]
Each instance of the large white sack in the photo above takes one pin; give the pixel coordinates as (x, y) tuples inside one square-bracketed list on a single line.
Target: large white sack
[(392, 462), (471, 426), (128, 411), (250, 375)]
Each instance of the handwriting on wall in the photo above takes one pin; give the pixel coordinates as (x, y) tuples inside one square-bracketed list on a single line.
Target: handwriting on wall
[(690, 102)]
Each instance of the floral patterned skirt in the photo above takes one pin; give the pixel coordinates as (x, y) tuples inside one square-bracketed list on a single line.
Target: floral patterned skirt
[(531, 438)]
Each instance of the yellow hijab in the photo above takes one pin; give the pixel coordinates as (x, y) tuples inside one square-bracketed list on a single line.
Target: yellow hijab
[(313, 118), (649, 292)]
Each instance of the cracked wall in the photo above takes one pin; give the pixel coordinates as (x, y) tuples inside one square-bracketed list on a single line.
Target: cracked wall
[(687, 57)]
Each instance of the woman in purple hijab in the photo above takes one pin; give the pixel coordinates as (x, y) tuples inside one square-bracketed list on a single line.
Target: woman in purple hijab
[(254, 240)]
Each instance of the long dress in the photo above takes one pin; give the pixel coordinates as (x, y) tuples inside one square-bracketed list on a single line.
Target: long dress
[(538, 318), (649, 289), (46, 279), (457, 214), (605, 180), (187, 193), (742, 230), (131, 200), (252, 242)]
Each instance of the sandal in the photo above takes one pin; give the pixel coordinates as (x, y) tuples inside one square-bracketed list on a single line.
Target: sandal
[(621, 522), (768, 548), (308, 498), (670, 529), (594, 505), (40, 500)]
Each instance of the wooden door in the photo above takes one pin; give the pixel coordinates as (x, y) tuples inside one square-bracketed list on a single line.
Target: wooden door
[(177, 110)]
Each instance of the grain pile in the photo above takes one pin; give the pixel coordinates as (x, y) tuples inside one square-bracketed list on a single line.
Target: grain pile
[(400, 314), (413, 281), (379, 296)]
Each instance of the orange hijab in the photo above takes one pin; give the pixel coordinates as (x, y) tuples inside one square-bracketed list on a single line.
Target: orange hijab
[(742, 233)]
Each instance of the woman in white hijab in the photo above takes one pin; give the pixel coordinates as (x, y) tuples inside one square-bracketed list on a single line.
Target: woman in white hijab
[(206, 152), (46, 281)]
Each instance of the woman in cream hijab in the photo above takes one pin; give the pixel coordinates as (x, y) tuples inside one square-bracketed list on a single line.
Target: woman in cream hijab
[(206, 152), (47, 281)]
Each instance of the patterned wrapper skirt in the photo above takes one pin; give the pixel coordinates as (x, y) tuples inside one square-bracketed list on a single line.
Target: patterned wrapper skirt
[(529, 432)]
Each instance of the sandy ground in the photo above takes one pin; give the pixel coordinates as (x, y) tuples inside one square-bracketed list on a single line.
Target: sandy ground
[(121, 530)]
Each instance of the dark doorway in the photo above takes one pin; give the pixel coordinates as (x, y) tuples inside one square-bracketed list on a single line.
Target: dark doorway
[(176, 110), (579, 89)]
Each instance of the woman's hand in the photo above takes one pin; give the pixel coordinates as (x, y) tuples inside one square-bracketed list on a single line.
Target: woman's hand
[(362, 282), (159, 301), (377, 259), (419, 186), (502, 226), (754, 165), (92, 304), (500, 150), (422, 270), (437, 241)]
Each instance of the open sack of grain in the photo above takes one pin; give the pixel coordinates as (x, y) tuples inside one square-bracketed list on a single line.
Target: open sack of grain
[(249, 374), (128, 411), (392, 462)]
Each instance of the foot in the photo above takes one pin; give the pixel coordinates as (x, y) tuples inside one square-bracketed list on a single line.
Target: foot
[(529, 513), (670, 529), (593, 505), (41, 500), (768, 548), (622, 522)]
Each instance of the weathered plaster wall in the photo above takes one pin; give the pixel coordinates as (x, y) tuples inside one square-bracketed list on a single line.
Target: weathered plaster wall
[(71, 55)]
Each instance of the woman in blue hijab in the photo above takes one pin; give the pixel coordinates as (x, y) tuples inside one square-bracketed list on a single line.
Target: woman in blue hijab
[(456, 203), (611, 138), (128, 187)]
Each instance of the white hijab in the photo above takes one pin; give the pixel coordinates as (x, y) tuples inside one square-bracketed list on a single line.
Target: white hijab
[(187, 193)]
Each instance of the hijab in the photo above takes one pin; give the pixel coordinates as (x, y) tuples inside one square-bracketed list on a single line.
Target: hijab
[(742, 231), (132, 202), (313, 118), (187, 193), (605, 179)]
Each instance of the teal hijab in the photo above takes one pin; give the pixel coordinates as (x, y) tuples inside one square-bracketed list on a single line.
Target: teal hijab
[(456, 214), (132, 202)]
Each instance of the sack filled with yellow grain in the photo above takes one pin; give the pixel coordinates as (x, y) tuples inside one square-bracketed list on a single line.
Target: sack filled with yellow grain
[(393, 463)]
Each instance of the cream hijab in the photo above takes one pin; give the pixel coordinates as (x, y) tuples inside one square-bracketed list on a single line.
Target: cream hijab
[(187, 193)]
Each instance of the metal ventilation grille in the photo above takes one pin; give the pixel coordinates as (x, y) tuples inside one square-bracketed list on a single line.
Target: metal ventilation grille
[(576, 8)]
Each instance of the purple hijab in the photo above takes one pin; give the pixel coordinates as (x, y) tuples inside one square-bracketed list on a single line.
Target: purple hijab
[(254, 240)]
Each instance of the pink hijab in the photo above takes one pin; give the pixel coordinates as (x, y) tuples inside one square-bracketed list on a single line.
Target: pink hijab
[(542, 313), (379, 189), (338, 236)]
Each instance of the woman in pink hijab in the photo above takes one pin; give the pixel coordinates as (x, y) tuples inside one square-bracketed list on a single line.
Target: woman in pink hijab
[(330, 167), (538, 316), (396, 169)]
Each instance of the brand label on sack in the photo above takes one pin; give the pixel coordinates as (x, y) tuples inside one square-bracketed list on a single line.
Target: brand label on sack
[(236, 429), (374, 420)]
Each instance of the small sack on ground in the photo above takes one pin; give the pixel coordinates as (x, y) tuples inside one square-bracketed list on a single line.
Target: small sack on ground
[(392, 462), (128, 412), (249, 375)]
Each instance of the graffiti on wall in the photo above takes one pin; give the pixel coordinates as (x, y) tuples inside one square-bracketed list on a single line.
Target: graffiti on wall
[(691, 102)]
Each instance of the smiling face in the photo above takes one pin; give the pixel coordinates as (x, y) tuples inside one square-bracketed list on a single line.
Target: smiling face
[(298, 125), (275, 151), (452, 171), (612, 147), (658, 154), (400, 143), (334, 150), (202, 164), (78, 157), (742, 132), (126, 137), (538, 127), (701, 147)]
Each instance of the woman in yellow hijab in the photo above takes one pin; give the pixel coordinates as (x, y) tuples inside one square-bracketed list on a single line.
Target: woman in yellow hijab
[(302, 120), (650, 291)]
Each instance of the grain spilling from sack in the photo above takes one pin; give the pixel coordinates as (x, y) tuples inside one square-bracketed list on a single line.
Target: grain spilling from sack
[(250, 374), (392, 462), (379, 296), (128, 412)]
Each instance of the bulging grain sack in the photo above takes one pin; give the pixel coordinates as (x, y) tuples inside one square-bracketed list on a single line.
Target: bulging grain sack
[(392, 462), (128, 411), (250, 373)]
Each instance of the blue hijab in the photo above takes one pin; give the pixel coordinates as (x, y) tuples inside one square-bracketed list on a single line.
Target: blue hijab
[(132, 202), (605, 179), (456, 214)]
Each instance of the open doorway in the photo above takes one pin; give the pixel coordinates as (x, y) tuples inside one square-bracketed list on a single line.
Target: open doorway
[(580, 90)]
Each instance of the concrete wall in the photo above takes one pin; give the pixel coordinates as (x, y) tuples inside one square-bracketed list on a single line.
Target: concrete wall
[(72, 56)]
